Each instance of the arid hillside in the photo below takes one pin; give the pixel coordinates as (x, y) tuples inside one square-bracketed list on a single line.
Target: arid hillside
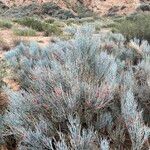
[(101, 7)]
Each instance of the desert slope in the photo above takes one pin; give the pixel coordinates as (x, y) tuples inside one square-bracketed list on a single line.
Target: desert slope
[(102, 7)]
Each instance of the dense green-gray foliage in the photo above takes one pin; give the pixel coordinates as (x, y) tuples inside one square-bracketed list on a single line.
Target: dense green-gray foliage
[(79, 94), (135, 26)]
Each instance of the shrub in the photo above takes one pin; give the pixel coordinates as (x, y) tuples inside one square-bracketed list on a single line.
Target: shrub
[(50, 20), (21, 62), (78, 93), (138, 26), (83, 11), (38, 25), (24, 32), (134, 121), (52, 9), (32, 23), (52, 30), (5, 24), (59, 24), (128, 30)]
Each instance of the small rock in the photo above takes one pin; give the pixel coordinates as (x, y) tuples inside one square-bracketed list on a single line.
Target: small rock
[(143, 7), (113, 10)]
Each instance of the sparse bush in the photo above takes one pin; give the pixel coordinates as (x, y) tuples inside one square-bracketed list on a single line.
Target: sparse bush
[(59, 24), (24, 32), (52, 29), (78, 94), (71, 21), (5, 24), (50, 20), (32, 23), (39, 25), (71, 30), (138, 26), (83, 11), (87, 19)]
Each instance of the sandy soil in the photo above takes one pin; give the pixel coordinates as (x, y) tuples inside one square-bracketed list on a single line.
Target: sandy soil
[(10, 38)]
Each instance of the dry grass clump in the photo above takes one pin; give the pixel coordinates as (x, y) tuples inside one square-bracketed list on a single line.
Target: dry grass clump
[(4, 46), (24, 32)]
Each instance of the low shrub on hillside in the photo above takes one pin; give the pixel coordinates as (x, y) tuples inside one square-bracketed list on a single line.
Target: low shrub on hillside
[(83, 93), (52, 29), (32, 23), (50, 20), (53, 10), (24, 32), (83, 11), (41, 26), (136, 26), (5, 24)]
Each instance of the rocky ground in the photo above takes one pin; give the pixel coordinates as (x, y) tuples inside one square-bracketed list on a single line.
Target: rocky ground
[(101, 7)]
